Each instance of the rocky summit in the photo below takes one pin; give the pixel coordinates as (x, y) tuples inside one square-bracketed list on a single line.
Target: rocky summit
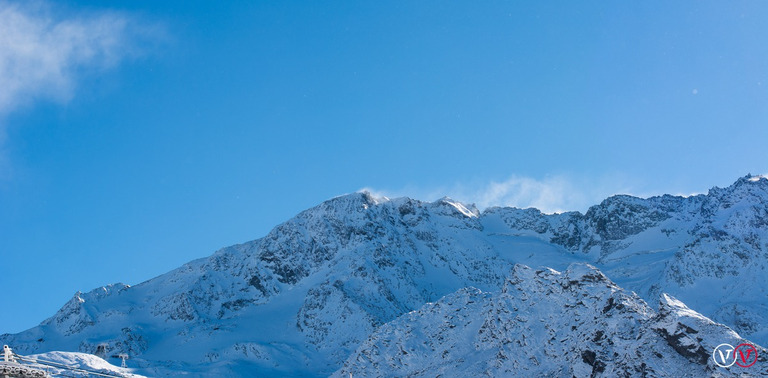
[(377, 286), (547, 323)]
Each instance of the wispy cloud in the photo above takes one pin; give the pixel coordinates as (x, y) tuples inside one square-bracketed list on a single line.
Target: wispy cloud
[(550, 194), (43, 55), (46, 50), (553, 194)]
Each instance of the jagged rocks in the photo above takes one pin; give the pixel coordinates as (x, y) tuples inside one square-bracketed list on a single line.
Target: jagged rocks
[(546, 323), (302, 298)]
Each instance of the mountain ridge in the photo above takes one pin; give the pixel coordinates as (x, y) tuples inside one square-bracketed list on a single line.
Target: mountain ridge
[(518, 331), (316, 286)]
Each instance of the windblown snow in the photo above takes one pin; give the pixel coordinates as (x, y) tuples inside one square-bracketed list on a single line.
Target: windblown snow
[(377, 286)]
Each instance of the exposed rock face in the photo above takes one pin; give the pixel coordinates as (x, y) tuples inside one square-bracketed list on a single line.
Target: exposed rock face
[(711, 251), (547, 323), (304, 297)]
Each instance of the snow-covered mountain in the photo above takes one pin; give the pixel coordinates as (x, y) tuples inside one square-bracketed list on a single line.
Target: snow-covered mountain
[(66, 364), (305, 297), (544, 323)]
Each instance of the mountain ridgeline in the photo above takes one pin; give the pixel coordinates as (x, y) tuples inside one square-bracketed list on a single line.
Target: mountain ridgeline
[(377, 286)]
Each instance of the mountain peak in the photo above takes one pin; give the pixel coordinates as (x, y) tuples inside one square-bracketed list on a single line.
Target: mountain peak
[(469, 211), (362, 197), (669, 304), (754, 178), (303, 298), (549, 327), (749, 184), (583, 272), (752, 182)]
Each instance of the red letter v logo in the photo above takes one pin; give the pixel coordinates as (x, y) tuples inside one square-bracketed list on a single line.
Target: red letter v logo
[(744, 359)]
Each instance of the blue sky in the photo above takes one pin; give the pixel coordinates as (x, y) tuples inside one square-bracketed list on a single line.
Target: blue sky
[(138, 135)]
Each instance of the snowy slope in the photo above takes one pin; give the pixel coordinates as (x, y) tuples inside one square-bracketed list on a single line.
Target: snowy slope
[(82, 361), (547, 323), (304, 297), (710, 251)]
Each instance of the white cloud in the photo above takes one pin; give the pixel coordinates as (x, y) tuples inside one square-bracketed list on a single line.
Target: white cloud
[(43, 55), (551, 194)]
